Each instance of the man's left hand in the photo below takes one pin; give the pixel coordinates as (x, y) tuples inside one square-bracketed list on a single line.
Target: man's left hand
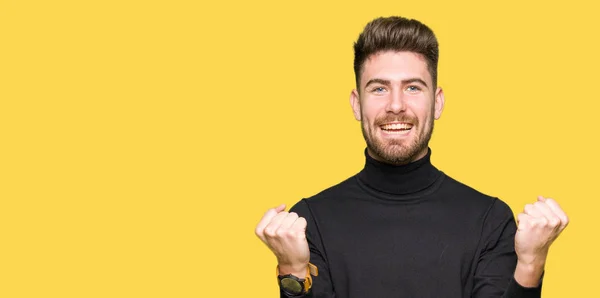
[(538, 226)]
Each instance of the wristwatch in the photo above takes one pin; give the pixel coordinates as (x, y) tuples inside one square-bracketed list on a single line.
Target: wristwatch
[(294, 286)]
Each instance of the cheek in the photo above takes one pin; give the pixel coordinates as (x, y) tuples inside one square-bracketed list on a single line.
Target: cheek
[(372, 110), (423, 112)]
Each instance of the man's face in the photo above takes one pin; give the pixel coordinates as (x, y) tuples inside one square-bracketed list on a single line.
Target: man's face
[(397, 105)]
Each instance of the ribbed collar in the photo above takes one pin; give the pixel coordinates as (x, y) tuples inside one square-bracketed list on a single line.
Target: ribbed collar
[(403, 179)]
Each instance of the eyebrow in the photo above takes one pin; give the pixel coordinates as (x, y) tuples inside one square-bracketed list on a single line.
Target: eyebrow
[(388, 83)]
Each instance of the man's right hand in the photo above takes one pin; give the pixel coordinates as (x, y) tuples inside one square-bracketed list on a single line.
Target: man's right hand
[(285, 234)]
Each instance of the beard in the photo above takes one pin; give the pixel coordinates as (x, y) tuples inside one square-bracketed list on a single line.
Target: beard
[(398, 152)]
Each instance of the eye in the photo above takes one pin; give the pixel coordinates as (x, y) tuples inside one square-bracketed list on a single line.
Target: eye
[(413, 89), (378, 90)]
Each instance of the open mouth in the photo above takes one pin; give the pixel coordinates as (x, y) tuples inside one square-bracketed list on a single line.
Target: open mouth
[(396, 128)]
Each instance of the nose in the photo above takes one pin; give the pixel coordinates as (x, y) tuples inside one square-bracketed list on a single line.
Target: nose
[(396, 103)]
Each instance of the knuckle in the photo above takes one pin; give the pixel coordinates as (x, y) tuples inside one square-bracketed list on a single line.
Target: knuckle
[(523, 222), (523, 226), (281, 214), (270, 232), (301, 222), (528, 207), (281, 232)]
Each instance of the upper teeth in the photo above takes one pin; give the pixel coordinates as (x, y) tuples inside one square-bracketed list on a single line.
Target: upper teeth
[(397, 126)]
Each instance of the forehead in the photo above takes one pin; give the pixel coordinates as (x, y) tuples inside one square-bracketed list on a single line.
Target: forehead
[(395, 67)]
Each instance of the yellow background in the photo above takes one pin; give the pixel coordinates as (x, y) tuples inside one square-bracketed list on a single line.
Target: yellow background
[(141, 141)]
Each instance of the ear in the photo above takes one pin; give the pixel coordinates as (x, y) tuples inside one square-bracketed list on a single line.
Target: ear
[(355, 103), (439, 103)]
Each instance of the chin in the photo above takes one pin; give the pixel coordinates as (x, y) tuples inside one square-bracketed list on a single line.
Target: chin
[(402, 154)]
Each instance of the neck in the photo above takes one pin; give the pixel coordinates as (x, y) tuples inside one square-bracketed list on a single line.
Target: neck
[(399, 179)]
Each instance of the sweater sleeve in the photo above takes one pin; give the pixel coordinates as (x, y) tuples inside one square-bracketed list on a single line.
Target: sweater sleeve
[(494, 273), (322, 286)]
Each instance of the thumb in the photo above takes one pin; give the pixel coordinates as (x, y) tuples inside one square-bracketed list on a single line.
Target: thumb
[(280, 208), (541, 199)]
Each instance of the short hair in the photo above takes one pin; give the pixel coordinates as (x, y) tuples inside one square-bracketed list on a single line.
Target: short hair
[(396, 34)]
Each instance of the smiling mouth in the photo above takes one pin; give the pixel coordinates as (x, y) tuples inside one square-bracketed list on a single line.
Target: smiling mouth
[(396, 128)]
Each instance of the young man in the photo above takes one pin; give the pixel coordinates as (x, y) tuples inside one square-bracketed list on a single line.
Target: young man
[(400, 227)]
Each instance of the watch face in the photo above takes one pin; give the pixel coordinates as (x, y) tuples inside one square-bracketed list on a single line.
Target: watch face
[(291, 285)]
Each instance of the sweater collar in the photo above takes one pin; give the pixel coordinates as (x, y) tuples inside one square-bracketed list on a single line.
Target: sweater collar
[(403, 179)]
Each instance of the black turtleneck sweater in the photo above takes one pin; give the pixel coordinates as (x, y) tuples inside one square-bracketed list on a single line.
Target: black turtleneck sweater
[(410, 231)]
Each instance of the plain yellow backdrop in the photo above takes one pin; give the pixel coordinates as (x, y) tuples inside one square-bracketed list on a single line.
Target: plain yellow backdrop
[(141, 141)]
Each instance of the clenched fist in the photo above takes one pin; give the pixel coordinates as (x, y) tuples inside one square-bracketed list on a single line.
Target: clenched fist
[(285, 234), (538, 226)]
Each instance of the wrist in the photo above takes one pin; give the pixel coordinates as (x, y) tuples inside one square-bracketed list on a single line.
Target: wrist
[(532, 261), (297, 270), (529, 273)]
